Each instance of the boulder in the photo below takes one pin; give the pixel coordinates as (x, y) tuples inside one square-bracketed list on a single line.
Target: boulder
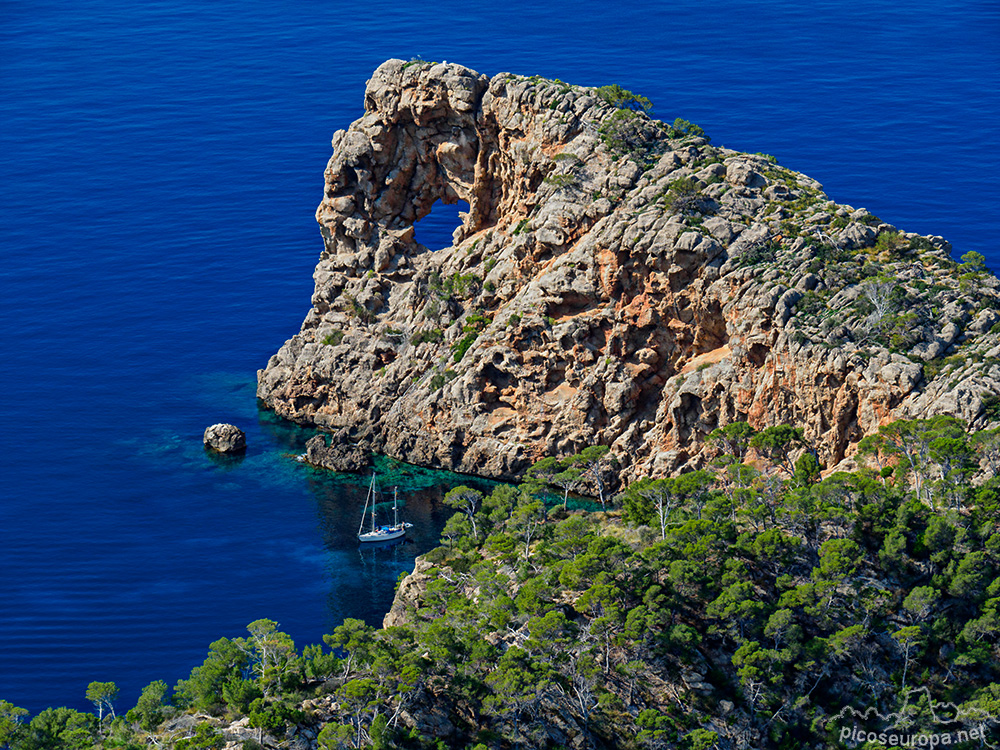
[(225, 438), (338, 455)]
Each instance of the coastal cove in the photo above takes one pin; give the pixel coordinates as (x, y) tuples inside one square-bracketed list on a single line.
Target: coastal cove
[(166, 571), (161, 167)]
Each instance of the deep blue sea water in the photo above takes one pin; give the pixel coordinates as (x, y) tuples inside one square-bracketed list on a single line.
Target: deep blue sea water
[(160, 163)]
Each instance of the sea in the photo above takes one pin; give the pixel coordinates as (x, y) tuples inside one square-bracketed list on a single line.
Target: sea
[(160, 164)]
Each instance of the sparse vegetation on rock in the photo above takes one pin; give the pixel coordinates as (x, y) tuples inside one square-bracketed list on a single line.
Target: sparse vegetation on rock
[(643, 287)]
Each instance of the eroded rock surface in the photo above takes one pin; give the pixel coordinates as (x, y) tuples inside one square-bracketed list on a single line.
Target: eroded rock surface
[(615, 281), (225, 438), (337, 453), (409, 594)]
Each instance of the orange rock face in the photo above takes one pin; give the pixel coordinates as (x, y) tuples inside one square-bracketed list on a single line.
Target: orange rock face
[(636, 295)]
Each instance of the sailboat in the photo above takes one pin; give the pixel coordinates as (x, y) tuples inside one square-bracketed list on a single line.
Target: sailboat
[(382, 533)]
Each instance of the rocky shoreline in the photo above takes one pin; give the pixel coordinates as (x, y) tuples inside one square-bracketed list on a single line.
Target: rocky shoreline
[(616, 281)]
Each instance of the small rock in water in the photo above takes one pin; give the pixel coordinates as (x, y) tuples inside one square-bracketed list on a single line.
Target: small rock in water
[(225, 438)]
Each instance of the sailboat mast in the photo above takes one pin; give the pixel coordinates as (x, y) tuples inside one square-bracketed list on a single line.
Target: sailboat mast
[(395, 507), (370, 498), (364, 513)]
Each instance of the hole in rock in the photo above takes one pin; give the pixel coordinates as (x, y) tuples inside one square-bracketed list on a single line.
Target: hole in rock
[(435, 229)]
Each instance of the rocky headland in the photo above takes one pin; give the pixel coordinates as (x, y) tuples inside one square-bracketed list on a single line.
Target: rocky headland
[(621, 282), (615, 281)]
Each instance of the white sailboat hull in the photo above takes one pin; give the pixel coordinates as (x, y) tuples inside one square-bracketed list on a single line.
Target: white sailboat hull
[(385, 533)]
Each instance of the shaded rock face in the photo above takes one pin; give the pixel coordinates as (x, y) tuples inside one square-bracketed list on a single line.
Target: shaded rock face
[(339, 454), (628, 285), (409, 594), (225, 438)]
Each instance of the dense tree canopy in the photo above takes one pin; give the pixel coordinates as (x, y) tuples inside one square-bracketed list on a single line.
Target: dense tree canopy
[(741, 606)]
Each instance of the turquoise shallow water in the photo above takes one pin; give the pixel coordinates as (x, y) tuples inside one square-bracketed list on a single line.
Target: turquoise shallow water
[(160, 166)]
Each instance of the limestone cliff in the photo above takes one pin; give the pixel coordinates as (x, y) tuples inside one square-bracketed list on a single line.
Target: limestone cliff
[(615, 281)]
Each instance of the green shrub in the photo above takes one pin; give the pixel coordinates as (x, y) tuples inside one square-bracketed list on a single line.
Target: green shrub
[(810, 305), (476, 322), (904, 330), (756, 253), (438, 286), (239, 693), (463, 285), (439, 379), (560, 181), (869, 270), (933, 368), (434, 335), (973, 262), (432, 310), (205, 738), (683, 195), (357, 310), (991, 407), (682, 127), (623, 99), (890, 243), (462, 346), (272, 716), (627, 133), (969, 282), (334, 338)]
